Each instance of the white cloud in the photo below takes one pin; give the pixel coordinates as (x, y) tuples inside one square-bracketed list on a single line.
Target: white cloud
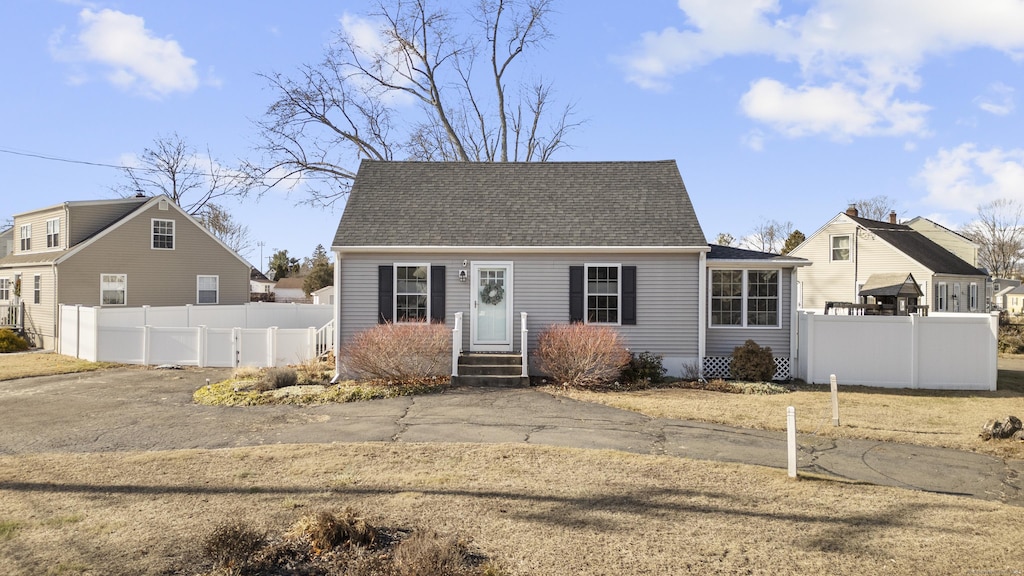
[(853, 55), (964, 177), (997, 100), (135, 60), (754, 140)]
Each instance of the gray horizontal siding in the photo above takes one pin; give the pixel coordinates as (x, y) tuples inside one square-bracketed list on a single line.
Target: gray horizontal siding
[(667, 300), (721, 340)]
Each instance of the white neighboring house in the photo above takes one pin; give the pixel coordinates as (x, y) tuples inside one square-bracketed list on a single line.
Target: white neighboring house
[(290, 290), (260, 287), (324, 295)]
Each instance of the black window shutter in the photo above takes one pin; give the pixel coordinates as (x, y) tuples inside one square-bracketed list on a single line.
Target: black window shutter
[(437, 294), (629, 295), (385, 294), (575, 293)]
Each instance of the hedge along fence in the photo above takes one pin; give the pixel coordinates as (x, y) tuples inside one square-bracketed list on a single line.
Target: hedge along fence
[(107, 335)]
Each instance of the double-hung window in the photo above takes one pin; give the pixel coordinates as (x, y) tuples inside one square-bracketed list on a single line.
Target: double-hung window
[(5, 288), (940, 297), (53, 233), (163, 234), (25, 233), (603, 293), (113, 289), (412, 293), (207, 289), (840, 248), (37, 289), (745, 298)]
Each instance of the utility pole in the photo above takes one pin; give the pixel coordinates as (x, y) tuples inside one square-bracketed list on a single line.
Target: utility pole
[(261, 244)]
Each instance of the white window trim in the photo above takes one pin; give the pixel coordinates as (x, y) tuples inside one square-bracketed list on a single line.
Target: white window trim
[(586, 294), (55, 234), (122, 275), (972, 297), (831, 247), (746, 298), (941, 297), (37, 289), (22, 237), (394, 290), (152, 233), (5, 286), (956, 296), (217, 299)]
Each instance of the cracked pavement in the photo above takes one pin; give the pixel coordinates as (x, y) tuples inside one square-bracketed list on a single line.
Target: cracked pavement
[(138, 409)]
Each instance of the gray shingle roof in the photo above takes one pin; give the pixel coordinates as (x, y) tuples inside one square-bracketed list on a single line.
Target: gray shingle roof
[(613, 204), (920, 248), (719, 252)]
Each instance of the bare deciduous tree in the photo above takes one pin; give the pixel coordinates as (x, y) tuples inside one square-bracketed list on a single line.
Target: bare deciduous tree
[(414, 93), (769, 236), (725, 239), (195, 183), (999, 234), (875, 208)]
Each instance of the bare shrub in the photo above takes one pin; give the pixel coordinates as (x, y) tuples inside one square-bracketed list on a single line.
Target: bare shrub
[(400, 353), (231, 546), (246, 373), (581, 355), (691, 370), (315, 371), (425, 553), (326, 530), (275, 378), (752, 363)]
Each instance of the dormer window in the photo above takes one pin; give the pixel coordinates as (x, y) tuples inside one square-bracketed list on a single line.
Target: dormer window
[(25, 233), (53, 233), (163, 234)]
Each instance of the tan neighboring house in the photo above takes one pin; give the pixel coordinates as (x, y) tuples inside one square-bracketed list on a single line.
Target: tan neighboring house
[(848, 251), (124, 252)]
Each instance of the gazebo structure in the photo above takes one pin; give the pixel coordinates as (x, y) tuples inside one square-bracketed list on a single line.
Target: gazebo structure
[(893, 294)]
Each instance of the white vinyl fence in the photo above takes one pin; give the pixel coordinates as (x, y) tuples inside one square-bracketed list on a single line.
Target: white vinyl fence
[(259, 334), (940, 351)]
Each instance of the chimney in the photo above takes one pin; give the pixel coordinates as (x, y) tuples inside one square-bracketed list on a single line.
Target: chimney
[(852, 210), (892, 217)]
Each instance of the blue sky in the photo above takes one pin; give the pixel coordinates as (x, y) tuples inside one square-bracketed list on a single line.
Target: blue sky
[(773, 110)]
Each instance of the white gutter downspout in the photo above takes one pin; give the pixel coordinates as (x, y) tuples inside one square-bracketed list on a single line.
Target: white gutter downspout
[(702, 295)]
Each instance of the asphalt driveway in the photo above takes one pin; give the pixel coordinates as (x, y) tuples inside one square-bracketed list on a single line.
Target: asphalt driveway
[(140, 409)]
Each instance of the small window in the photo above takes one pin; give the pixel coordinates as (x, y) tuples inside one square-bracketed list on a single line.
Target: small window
[(53, 233), (37, 289), (603, 293), (25, 233), (972, 296), (840, 248), (113, 289), (5, 288), (163, 234), (940, 297), (412, 293), (207, 289)]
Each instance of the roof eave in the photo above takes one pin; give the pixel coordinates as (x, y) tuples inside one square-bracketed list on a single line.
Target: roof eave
[(519, 249)]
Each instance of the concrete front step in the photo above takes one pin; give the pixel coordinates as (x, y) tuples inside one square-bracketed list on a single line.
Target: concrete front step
[(491, 381), (498, 370)]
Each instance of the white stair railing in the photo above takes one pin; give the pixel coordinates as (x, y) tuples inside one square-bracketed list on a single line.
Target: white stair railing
[(325, 338), (456, 343), (523, 341)]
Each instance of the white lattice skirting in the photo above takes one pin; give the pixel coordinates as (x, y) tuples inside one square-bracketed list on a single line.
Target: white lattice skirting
[(718, 367)]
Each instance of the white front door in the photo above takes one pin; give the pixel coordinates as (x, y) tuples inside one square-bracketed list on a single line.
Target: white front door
[(490, 300)]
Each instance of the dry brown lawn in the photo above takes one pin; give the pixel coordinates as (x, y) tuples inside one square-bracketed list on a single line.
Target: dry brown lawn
[(950, 419), (24, 365), (531, 510)]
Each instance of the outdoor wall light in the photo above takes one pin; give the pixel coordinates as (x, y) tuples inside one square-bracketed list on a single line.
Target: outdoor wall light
[(462, 276)]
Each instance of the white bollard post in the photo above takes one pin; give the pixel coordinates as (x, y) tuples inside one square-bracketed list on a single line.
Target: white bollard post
[(835, 399), (791, 439)]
